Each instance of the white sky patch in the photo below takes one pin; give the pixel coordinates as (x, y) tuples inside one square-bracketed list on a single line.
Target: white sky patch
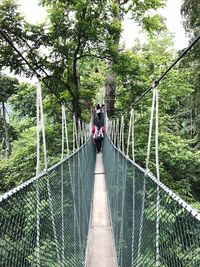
[(33, 12), (173, 21)]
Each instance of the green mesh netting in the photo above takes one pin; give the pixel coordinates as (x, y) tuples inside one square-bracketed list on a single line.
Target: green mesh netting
[(133, 199), (45, 221)]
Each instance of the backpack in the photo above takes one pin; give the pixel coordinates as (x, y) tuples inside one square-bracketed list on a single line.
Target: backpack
[(98, 133)]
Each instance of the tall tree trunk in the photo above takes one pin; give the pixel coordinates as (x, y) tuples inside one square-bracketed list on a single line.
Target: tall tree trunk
[(7, 140), (76, 106), (110, 89), (75, 82)]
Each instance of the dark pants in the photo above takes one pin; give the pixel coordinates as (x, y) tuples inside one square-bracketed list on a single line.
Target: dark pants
[(98, 143)]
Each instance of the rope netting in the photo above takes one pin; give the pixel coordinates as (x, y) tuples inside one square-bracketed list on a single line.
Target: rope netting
[(133, 199), (44, 221)]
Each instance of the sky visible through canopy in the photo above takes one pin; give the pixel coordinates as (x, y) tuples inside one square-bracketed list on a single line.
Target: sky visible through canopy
[(36, 14)]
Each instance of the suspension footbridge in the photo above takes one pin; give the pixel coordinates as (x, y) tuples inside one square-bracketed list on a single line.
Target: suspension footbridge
[(134, 220), (114, 214)]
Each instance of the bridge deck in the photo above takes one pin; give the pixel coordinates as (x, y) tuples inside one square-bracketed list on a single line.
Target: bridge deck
[(100, 249)]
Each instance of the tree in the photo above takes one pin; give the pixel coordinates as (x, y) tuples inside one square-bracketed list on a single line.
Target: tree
[(140, 14), (178, 155), (77, 29), (23, 101), (190, 13), (191, 24), (7, 88)]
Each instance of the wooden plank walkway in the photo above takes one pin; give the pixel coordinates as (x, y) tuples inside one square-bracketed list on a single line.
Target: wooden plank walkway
[(100, 247)]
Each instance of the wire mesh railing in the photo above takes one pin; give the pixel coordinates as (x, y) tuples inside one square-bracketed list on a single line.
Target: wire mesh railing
[(139, 239), (44, 221)]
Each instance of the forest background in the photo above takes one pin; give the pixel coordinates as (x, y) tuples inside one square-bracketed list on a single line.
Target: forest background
[(77, 53)]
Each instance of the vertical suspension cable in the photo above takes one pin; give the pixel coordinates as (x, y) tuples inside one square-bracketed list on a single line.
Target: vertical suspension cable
[(158, 191), (42, 127), (123, 134), (38, 132), (123, 205), (150, 131), (76, 218), (123, 192), (147, 166), (86, 132), (156, 139), (83, 132), (121, 137), (37, 187), (66, 132), (75, 139), (64, 139), (62, 187), (53, 221), (110, 130), (117, 132), (133, 193), (107, 126), (79, 133), (75, 134), (114, 129), (129, 132), (63, 132), (133, 136)]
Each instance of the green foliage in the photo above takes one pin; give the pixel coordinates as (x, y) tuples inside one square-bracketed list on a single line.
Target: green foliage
[(141, 11), (24, 101), (81, 37), (92, 83), (8, 86), (153, 23), (178, 154), (22, 131), (21, 164), (75, 29), (190, 13), (7, 133)]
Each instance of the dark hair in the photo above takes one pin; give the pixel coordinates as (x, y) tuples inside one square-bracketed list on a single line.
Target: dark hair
[(98, 123)]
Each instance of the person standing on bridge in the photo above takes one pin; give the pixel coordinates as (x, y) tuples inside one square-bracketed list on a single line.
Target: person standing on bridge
[(98, 131), (98, 111)]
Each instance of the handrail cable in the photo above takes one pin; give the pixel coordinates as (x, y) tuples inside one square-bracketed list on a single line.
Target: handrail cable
[(156, 82)]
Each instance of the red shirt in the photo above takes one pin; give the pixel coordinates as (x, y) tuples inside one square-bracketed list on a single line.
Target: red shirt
[(93, 129)]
